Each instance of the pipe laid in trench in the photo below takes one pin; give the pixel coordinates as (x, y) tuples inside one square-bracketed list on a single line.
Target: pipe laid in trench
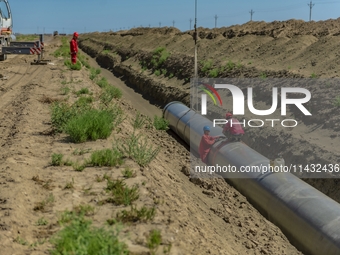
[(309, 218)]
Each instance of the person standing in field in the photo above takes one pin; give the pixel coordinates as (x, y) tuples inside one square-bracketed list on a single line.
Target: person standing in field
[(74, 48)]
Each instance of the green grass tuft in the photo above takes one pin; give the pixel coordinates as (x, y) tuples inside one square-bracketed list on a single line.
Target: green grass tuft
[(160, 123), (138, 149), (106, 157), (91, 125), (143, 214), (121, 193), (80, 238)]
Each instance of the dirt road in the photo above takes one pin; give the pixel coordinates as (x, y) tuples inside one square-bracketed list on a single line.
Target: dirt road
[(206, 217)]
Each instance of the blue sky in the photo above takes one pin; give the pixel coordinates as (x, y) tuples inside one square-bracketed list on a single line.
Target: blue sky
[(37, 16)]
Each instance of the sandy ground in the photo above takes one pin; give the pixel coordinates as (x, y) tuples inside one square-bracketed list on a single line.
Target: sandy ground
[(200, 217)]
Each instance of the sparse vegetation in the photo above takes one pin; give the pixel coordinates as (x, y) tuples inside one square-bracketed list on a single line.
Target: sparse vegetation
[(26, 38), (20, 240), (103, 83), (154, 240), (230, 65), (160, 55), (76, 66), (107, 157), (82, 91), (110, 93), (157, 72), (83, 61), (69, 185), (138, 148), (128, 173), (91, 125), (263, 75), (42, 222), (121, 194), (41, 206), (206, 66), (63, 50), (160, 123), (337, 101), (139, 121), (57, 159), (213, 73), (80, 237), (78, 167), (313, 75), (143, 214), (65, 90), (81, 152), (94, 73)]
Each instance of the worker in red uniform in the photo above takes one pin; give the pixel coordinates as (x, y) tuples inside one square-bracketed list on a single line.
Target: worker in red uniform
[(233, 129), (206, 142), (74, 48)]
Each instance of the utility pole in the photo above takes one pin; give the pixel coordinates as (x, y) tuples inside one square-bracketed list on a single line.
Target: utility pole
[(173, 23), (310, 10), (160, 24), (215, 20), (195, 38), (190, 22), (251, 14), (195, 82)]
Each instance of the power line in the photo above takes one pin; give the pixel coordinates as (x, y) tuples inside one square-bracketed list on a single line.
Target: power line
[(251, 14), (310, 10)]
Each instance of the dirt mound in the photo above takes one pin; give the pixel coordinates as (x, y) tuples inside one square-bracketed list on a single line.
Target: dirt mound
[(276, 29)]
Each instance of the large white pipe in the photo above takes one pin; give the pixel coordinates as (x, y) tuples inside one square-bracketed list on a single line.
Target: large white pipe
[(309, 218)]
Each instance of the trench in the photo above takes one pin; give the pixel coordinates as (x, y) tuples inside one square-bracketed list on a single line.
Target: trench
[(157, 93)]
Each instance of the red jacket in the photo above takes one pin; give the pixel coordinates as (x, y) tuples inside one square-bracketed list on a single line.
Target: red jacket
[(73, 46), (234, 127), (206, 142)]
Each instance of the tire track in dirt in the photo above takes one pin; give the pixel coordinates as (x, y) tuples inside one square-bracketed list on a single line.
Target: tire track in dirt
[(12, 104)]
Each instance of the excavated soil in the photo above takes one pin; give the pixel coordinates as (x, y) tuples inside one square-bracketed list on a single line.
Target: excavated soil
[(194, 216)]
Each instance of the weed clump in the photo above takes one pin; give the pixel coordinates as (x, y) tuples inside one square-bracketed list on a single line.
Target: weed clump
[(79, 237), (138, 149), (110, 93), (121, 193), (91, 125), (76, 66), (154, 240), (161, 123), (57, 159), (82, 122), (106, 158), (143, 214)]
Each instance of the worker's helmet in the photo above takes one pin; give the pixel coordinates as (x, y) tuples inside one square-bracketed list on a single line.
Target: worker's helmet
[(228, 115), (206, 128), (75, 34)]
